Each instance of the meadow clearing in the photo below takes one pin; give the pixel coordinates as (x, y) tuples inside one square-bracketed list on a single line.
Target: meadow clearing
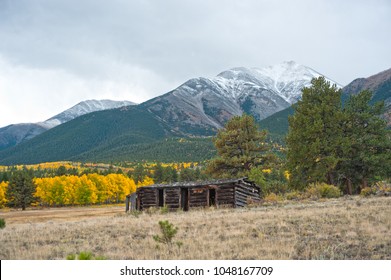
[(344, 228)]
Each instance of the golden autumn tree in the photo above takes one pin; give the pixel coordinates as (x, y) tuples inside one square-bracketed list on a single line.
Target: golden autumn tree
[(3, 189)]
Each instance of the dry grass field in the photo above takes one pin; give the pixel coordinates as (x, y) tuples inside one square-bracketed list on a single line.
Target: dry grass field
[(345, 228)]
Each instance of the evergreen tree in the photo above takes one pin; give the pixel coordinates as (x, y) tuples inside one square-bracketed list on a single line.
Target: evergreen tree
[(139, 173), (240, 146), (170, 175), (367, 150), (187, 175), (61, 171), (21, 189), (158, 173), (315, 135)]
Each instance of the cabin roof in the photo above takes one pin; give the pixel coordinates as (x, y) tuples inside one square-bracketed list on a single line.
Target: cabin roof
[(201, 183)]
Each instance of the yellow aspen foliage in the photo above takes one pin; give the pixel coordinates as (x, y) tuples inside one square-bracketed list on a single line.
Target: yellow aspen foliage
[(43, 187), (85, 189), (3, 189), (146, 182), (71, 184), (86, 192), (113, 188), (102, 190)]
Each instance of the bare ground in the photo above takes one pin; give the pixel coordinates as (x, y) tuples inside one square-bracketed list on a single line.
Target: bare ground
[(345, 228)]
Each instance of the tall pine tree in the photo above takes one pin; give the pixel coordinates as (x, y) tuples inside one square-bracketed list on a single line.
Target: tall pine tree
[(315, 135), (21, 189), (240, 146), (367, 151)]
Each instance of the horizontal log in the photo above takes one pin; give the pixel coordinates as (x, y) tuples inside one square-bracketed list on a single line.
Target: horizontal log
[(145, 206), (197, 198), (225, 197), (227, 192), (203, 201), (240, 204), (244, 192), (172, 199), (172, 205), (192, 205), (247, 196), (248, 188)]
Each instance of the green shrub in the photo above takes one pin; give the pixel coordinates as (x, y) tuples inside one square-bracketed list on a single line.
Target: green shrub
[(322, 190), (2, 223), (273, 198), (270, 180), (382, 188), (84, 256), (168, 231), (164, 209), (294, 195), (71, 257), (367, 191)]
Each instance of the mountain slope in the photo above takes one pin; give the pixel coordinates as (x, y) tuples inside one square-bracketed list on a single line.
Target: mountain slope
[(277, 124), (89, 134), (15, 134), (379, 84), (203, 105)]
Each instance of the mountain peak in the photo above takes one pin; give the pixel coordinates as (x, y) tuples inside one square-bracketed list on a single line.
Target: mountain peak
[(285, 79), (82, 108), (14, 134)]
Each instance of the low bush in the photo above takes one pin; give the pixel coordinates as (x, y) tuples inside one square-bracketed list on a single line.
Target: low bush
[(85, 256), (2, 223), (383, 188), (380, 189), (273, 198), (368, 191), (168, 231), (164, 209), (322, 190), (294, 195)]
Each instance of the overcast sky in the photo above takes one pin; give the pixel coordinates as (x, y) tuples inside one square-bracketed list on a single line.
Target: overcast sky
[(56, 53)]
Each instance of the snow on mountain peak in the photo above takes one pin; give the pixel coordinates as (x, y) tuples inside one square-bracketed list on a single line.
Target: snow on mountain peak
[(285, 79), (82, 108)]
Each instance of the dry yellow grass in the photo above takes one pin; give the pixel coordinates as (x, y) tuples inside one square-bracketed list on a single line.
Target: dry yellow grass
[(345, 228)]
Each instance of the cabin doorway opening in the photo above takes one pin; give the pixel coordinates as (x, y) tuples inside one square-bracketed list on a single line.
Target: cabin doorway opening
[(160, 198), (185, 199), (212, 197)]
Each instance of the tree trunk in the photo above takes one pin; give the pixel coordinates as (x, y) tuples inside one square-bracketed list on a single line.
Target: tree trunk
[(349, 188), (364, 183), (330, 178)]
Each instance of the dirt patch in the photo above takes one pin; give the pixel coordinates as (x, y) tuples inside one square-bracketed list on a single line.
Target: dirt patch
[(58, 214)]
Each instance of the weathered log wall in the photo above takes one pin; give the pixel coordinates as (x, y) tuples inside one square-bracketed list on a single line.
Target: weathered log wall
[(198, 197), (172, 197), (246, 193), (147, 198), (234, 194), (225, 195)]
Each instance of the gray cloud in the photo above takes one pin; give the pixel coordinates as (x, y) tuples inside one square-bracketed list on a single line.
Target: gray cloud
[(139, 49)]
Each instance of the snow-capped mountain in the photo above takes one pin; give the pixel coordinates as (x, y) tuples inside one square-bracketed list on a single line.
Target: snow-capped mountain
[(207, 103), (14, 134), (83, 108), (198, 107)]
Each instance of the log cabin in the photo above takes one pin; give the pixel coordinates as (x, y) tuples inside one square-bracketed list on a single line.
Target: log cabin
[(188, 195)]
